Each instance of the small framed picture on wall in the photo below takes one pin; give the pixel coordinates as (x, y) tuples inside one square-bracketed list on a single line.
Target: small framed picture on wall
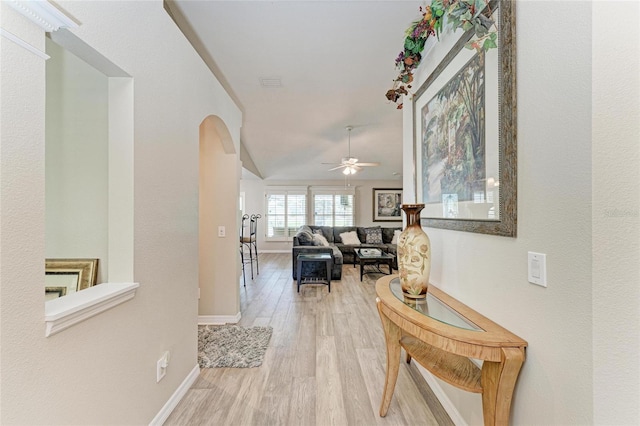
[(387, 204)]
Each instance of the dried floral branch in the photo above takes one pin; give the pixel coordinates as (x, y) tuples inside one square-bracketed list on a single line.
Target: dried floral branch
[(464, 14)]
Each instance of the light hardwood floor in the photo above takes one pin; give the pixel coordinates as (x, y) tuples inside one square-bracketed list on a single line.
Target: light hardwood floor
[(325, 364)]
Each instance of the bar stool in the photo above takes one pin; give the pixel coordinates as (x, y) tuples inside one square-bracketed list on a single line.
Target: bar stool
[(253, 240), (245, 242)]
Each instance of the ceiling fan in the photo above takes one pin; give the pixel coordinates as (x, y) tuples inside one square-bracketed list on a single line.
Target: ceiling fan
[(350, 165)]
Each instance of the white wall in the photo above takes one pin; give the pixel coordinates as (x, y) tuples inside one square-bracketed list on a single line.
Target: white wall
[(103, 370), (560, 163), (616, 212), (76, 159), (254, 190), (219, 182)]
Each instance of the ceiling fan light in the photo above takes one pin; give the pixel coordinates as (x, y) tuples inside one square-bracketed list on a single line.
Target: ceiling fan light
[(349, 164)]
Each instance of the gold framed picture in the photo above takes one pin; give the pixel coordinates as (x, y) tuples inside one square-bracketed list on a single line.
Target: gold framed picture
[(64, 276)]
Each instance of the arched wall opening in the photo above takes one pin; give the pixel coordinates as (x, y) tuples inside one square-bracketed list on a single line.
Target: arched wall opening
[(219, 301)]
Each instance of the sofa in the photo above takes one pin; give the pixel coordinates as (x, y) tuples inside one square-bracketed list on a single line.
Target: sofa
[(304, 242)]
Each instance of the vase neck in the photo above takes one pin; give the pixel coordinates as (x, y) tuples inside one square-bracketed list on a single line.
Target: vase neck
[(413, 213)]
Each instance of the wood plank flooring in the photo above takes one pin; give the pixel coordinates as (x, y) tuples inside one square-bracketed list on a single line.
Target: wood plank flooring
[(325, 364)]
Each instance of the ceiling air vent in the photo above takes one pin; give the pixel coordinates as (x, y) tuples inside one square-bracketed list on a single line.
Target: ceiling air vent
[(270, 82)]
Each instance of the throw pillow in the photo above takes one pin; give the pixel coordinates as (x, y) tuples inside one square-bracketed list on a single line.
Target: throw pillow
[(319, 231), (396, 235), (305, 238), (373, 235), (350, 238), (320, 240)]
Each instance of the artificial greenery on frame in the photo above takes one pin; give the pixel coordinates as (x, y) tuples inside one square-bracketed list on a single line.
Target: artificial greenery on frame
[(464, 14)]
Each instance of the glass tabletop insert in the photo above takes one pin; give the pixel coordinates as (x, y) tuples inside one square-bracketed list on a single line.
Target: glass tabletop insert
[(433, 308), (372, 253), (315, 256)]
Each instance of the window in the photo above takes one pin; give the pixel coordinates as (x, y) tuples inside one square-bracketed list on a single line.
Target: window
[(333, 207), (286, 212)]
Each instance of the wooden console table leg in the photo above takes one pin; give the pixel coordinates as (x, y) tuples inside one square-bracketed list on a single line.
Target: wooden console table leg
[(392, 336), (498, 382)]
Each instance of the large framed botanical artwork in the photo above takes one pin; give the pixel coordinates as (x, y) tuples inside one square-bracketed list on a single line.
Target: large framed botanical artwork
[(464, 120)]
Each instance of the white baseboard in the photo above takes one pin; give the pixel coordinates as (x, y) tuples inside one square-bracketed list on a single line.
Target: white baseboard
[(448, 406), (219, 319), (165, 411), (274, 251)]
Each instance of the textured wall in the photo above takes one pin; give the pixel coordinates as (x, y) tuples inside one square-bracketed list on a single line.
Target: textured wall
[(616, 212), (219, 291), (21, 215), (103, 370)]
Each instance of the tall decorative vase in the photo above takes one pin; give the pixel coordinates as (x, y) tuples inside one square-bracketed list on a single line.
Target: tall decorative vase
[(414, 255)]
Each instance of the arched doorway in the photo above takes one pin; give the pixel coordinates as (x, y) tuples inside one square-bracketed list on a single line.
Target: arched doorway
[(218, 224)]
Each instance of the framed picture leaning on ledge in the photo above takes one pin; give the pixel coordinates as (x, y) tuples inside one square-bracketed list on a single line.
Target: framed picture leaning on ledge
[(66, 276)]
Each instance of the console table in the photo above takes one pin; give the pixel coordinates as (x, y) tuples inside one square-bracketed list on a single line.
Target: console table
[(442, 334)]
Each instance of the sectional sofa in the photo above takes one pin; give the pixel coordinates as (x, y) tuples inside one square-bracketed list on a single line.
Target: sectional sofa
[(304, 242)]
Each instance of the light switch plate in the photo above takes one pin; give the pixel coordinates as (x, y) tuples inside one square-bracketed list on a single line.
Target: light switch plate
[(222, 231), (537, 268)]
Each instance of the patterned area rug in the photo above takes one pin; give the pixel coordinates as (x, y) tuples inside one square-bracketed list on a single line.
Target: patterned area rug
[(232, 345)]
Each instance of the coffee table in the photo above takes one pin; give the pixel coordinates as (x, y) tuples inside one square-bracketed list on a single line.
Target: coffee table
[(364, 257)]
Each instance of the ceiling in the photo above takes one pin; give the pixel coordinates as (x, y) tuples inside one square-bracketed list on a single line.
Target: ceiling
[(335, 61)]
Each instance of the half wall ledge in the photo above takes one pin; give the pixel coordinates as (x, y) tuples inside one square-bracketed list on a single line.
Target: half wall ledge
[(64, 312)]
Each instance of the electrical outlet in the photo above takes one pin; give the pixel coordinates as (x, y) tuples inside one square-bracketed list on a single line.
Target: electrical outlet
[(161, 366), (222, 231)]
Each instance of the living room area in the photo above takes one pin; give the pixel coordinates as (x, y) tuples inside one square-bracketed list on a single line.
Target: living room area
[(358, 194)]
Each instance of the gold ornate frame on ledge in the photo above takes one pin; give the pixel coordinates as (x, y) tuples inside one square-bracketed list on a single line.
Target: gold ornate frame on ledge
[(86, 270)]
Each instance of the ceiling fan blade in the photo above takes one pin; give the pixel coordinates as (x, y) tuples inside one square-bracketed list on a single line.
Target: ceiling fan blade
[(368, 164), (330, 163), (338, 167)]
